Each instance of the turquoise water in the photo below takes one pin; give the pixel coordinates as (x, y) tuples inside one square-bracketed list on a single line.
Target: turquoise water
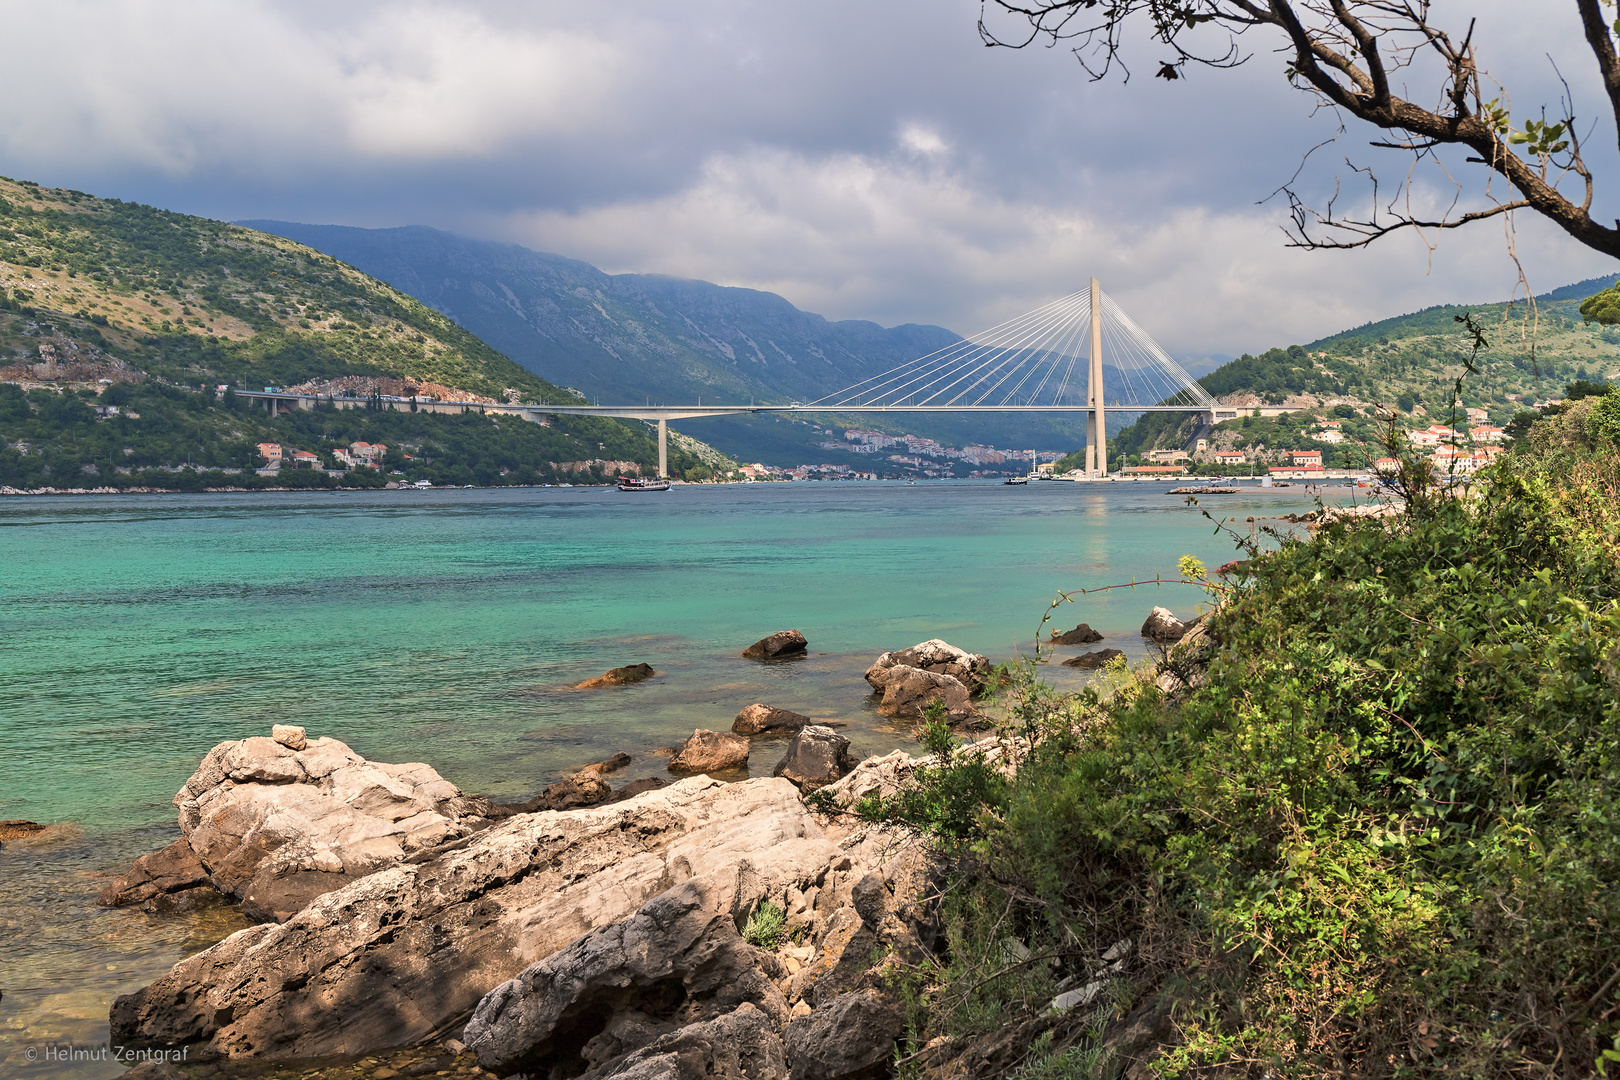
[(448, 627)]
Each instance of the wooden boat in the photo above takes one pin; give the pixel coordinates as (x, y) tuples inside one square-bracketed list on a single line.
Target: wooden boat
[(637, 483)]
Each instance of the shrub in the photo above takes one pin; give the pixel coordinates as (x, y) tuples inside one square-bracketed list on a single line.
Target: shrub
[(765, 926), (1378, 840)]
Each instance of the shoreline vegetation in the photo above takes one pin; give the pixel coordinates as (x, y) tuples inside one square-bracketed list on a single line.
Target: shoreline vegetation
[(1356, 819)]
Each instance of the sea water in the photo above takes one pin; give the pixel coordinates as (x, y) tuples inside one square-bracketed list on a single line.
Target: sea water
[(450, 627)]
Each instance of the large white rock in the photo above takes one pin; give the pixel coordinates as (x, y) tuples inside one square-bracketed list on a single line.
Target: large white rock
[(275, 827), (393, 957)]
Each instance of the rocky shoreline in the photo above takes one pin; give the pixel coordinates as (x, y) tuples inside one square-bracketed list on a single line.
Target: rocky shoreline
[(684, 929)]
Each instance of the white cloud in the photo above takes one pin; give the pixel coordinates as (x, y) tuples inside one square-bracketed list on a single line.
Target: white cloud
[(188, 85), (863, 160), (922, 141), (848, 236)]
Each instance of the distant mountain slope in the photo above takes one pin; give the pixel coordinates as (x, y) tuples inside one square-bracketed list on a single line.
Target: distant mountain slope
[(623, 338), (630, 338)]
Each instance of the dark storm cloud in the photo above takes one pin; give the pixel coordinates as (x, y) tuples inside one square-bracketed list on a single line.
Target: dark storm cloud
[(864, 159)]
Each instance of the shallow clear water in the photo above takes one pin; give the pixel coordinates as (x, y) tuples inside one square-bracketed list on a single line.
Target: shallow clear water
[(138, 631)]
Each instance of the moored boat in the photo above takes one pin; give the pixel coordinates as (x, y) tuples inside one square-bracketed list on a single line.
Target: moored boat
[(637, 483)]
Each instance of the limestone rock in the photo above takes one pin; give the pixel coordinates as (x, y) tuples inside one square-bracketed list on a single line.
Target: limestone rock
[(850, 1039), (764, 720), (1080, 635), (17, 829), (584, 788), (611, 765), (780, 645), (153, 1070), (711, 751), (907, 691), (1161, 625), (816, 757), (395, 956), (939, 657), (881, 776), (741, 1045), (174, 869), (637, 787), (275, 827), (619, 676), (681, 949), (1091, 661), (290, 736)]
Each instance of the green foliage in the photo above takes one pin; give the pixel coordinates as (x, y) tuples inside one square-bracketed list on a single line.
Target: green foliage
[(1585, 388), (1604, 307), (56, 439), (1603, 422), (765, 926), (1378, 840)]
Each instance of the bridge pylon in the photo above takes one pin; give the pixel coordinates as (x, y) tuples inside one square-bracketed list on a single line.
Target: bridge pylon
[(1096, 422)]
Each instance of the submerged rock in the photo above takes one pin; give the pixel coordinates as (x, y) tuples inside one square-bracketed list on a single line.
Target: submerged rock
[(783, 643), (816, 757), (711, 751), (175, 869), (764, 720), (17, 829), (938, 657), (1092, 660), (908, 691), (1080, 635), (1161, 625), (619, 676)]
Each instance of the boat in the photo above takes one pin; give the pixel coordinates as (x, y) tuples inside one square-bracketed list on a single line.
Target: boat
[(637, 483), (1016, 480)]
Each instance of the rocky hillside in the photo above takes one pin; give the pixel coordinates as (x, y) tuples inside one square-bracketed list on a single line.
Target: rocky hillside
[(98, 293), (188, 299)]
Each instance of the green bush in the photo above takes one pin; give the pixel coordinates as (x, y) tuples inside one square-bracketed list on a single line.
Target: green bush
[(1379, 840), (765, 926)]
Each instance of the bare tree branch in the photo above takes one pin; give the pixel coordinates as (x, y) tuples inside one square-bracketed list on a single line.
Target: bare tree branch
[(1344, 52)]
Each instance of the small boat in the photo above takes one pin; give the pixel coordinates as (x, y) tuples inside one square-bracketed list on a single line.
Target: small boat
[(1016, 481), (636, 483)]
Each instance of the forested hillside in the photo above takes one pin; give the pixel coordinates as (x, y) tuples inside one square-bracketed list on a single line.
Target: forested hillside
[(1409, 363), (104, 302)]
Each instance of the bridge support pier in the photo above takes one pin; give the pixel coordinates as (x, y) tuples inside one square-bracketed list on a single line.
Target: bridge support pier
[(663, 451)]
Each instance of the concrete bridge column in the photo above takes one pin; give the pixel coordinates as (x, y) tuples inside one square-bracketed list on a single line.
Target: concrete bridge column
[(663, 453), (1097, 424)]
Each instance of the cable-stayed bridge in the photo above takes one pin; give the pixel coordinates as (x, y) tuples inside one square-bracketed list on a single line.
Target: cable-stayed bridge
[(1054, 359)]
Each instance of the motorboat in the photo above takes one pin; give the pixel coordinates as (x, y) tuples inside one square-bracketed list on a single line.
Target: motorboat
[(637, 483)]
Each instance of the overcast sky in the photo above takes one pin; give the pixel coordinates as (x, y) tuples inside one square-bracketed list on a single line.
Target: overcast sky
[(865, 159)]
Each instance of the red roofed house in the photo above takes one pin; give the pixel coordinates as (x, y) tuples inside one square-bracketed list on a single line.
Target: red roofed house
[(271, 452), (305, 460), (367, 452), (1228, 457), (1305, 459)]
